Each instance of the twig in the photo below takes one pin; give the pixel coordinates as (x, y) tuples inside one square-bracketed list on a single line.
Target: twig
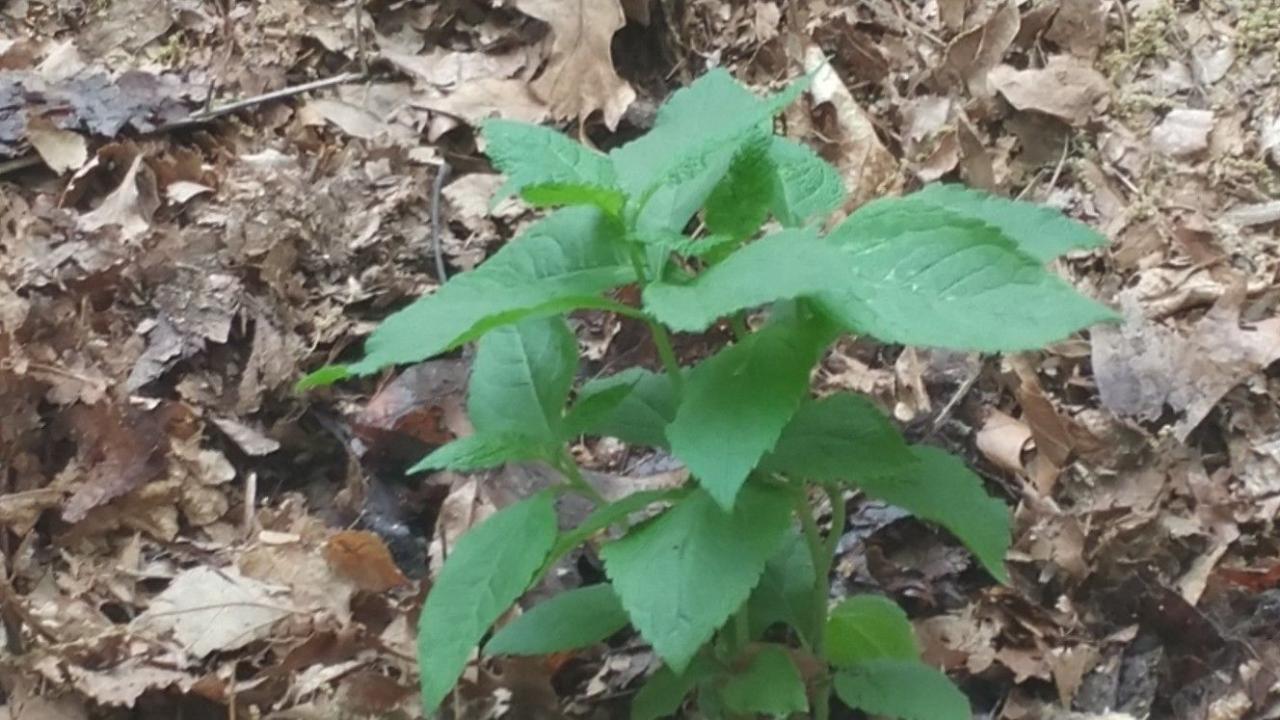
[(204, 116), (442, 176), (945, 413)]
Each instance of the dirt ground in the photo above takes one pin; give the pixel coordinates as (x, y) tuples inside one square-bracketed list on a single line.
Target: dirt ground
[(184, 536)]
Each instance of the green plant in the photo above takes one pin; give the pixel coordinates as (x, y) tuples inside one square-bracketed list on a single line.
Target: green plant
[(715, 568)]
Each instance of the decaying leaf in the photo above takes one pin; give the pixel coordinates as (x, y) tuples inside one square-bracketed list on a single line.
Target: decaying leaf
[(1065, 88), (579, 77), (363, 558), (208, 610), (1142, 366), (130, 206)]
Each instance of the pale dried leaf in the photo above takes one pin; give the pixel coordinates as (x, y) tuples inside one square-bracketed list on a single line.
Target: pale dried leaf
[(1183, 132), (1065, 88), (130, 206), (579, 78), (209, 610), (61, 150)]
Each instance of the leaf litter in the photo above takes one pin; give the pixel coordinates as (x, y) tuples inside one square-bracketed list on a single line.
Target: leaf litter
[(181, 529)]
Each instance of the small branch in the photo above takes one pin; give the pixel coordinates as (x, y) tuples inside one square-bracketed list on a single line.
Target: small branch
[(442, 176)]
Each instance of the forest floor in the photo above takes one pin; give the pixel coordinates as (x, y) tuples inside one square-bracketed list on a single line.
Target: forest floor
[(183, 535)]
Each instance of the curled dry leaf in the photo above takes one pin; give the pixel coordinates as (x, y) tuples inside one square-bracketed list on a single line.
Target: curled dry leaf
[(579, 77), (867, 167), (975, 52), (1002, 440), (131, 206), (1066, 88), (363, 558)]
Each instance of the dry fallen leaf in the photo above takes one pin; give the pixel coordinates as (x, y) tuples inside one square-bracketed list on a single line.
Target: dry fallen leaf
[(579, 77), (1183, 132), (1141, 366), (130, 206), (62, 150), (1066, 88), (868, 168), (1002, 440), (208, 610), (363, 558), (975, 52)]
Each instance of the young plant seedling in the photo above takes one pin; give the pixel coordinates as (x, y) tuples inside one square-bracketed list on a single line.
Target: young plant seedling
[(727, 578)]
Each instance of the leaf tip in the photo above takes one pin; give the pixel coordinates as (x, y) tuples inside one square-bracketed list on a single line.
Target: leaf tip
[(325, 376)]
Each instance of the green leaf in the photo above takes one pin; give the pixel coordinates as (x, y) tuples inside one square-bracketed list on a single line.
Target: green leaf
[(839, 437), (590, 410), (929, 277), (485, 573), (868, 627), (521, 377), (564, 261), (642, 415), (548, 168), (573, 619), (676, 165), (737, 402), (770, 684), (1039, 231), (606, 515), (905, 689), (781, 266), (805, 186), (327, 375), (739, 204), (664, 692), (939, 488), (707, 561), (785, 592), (481, 451)]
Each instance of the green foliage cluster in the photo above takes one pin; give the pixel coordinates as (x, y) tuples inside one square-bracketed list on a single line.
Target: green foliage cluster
[(726, 577)]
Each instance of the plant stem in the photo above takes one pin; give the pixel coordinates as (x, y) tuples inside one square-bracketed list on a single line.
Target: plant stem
[(738, 323), (566, 465), (667, 352), (741, 629), (823, 554)]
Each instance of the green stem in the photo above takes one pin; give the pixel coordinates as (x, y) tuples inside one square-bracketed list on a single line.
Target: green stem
[(741, 629), (738, 323), (577, 483), (667, 352), (823, 554)]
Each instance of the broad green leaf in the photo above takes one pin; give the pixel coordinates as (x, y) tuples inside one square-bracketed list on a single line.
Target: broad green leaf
[(906, 689), (485, 573), (838, 437), (939, 488), (616, 511), (676, 165), (573, 619), (563, 261), (933, 278), (736, 402), (868, 627), (548, 168), (806, 187), (770, 685), (739, 204), (669, 241), (327, 375), (785, 592), (663, 693), (781, 266), (590, 410), (1039, 231), (642, 415), (483, 450), (521, 377), (683, 574)]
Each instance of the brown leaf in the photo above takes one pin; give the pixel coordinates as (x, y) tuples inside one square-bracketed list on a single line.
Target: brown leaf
[(208, 610), (579, 77), (130, 206), (1065, 88), (869, 170), (1141, 366), (118, 453), (973, 54), (363, 558), (1002, 440), (1080, 26)]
